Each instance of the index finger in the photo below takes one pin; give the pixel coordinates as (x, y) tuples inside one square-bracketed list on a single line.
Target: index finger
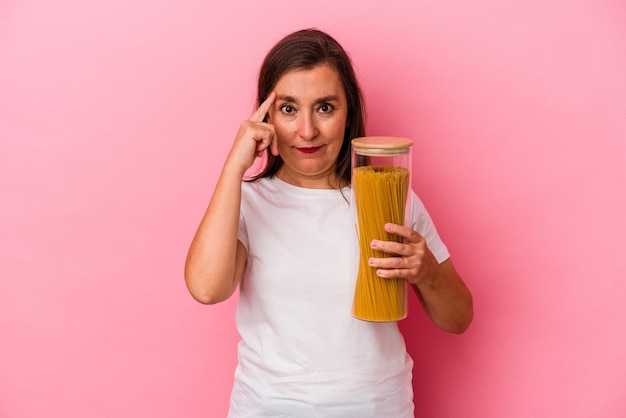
[(404, 232), (260, 113)]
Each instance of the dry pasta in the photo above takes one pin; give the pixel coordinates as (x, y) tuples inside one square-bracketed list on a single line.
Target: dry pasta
[(380, 195)]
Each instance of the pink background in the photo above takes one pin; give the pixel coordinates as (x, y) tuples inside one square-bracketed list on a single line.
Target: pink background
[(115, 118)]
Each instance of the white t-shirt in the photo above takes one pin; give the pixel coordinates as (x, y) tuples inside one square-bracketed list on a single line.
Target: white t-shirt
[(302, 354)]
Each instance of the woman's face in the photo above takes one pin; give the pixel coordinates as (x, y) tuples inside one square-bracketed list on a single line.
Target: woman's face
[(309, 116)]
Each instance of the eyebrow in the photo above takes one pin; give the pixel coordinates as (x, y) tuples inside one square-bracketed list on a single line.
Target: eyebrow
[(324, 99)]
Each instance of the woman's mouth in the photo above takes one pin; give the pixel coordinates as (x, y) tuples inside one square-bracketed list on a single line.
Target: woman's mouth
[(309, 150)]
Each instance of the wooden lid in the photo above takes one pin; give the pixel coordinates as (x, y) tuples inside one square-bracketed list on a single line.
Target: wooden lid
[(381, 145), (382, 142)]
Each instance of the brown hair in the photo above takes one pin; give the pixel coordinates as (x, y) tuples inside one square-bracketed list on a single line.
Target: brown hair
[(306, 49)]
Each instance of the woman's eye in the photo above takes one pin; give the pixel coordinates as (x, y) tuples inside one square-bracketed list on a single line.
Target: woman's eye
[(326, 108), (287, 109)]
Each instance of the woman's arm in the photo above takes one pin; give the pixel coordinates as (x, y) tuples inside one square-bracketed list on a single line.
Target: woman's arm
[(216, 258), (440, 289), (446, 299)]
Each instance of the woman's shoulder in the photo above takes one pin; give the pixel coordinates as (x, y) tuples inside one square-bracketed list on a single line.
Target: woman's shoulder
[(258, 185)]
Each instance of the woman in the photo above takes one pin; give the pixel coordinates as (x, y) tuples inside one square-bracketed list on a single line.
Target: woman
[(287, 239)]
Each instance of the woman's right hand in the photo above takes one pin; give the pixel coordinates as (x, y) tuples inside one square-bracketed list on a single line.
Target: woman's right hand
[(253, 137)]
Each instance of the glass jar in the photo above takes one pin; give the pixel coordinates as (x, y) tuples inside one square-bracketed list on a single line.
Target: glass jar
[(381, 185)]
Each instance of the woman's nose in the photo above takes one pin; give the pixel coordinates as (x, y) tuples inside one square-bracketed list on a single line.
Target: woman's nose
[(307, 129)]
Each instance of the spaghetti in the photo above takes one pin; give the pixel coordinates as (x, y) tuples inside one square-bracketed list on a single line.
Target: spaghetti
[(380, 194)]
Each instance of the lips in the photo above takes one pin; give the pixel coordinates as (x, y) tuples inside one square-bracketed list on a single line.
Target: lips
[(309, 150)]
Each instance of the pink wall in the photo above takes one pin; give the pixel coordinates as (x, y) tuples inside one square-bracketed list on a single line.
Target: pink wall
[(114, 120)]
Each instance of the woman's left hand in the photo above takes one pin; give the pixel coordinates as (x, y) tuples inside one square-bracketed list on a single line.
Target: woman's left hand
[(442, 293), (410, 260)]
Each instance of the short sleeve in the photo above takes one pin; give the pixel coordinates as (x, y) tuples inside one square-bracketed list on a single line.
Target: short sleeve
[(423, 223), (242, 233)]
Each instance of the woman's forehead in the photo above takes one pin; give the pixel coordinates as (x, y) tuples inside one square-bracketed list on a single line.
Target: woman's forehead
[(317, 82)]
